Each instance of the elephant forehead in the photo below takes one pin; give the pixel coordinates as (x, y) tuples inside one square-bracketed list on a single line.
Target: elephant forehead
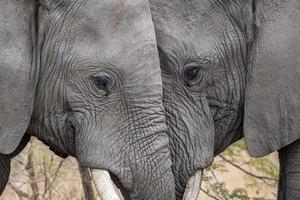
[(115, 26), (205, 15), (117, 19), (118, 51), (116, 32), (196, 25)]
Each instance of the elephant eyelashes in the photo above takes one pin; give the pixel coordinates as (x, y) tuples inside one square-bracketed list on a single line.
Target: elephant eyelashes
[(190, 73), (103, 82)]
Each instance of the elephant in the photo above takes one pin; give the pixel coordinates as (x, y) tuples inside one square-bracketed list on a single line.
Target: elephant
[(83, 76), (230, 69)]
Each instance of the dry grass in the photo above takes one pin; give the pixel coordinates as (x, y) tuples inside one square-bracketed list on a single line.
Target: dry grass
[(38, 174), (234, 178)]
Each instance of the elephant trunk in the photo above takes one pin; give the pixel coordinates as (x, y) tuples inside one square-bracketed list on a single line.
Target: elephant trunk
[(152, 173), (134, 149), (191, 139), (289, 183), (160, 186), (149, 148)]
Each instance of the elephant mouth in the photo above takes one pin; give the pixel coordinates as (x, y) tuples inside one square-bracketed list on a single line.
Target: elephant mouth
[(108, 186)]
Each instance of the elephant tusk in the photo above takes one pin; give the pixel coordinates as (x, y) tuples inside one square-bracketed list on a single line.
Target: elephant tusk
[(193, 187), (44, 2), (105, 186)]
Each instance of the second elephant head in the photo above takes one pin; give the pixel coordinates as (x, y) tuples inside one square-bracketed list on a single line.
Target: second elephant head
[(93, 90), (230, 68)]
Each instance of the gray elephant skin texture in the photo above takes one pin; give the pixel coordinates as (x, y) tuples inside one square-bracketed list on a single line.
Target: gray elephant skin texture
[(84, 77), (230, 69)]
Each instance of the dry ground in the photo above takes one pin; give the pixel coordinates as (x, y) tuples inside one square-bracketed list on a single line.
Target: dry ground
[(38, 174)]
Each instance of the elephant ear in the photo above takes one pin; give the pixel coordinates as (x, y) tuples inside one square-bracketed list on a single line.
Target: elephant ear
[(272, 104), (16, 71)]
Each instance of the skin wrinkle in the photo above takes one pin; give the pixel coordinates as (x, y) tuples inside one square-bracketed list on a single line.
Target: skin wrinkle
[(137, 141), (289, 171), (55, 60), (56, 56), (182, 145), (33, 40), (235, 87), (215, 31), (71, 115)]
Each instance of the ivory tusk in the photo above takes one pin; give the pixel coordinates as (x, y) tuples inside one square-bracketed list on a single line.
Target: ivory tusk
[(44, 2), (192, 190), (105, 186)]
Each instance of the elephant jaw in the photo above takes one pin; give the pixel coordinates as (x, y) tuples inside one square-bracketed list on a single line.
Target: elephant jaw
[(104, 185), (107, 190)]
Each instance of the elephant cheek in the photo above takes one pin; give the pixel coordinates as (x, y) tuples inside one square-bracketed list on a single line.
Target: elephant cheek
[(203, 132), (191, 129), (191, 132)]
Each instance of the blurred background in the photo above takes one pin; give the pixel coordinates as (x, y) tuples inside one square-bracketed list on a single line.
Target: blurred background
[(38, 174)]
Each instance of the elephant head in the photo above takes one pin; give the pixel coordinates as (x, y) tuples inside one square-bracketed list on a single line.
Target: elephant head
[(229, 68), (98, 91)]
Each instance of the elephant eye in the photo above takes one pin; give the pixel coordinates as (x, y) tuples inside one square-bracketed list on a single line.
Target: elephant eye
[(190, 73), (102, 82)]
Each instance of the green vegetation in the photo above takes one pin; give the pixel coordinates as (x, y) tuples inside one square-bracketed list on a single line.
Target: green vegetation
[(259, 175)]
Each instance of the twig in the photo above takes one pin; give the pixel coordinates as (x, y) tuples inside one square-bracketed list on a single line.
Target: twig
[(19, 192), (207, 193), (29, 167), (46, 179), (263, 178), (55, 175)]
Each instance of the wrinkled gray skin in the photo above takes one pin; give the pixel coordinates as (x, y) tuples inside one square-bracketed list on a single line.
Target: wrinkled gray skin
[(289, 184), (98, 90), (228, 68)]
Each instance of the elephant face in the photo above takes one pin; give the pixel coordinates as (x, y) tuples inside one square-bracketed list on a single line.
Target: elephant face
[(99, 92), (203, 55), (224, 63)]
